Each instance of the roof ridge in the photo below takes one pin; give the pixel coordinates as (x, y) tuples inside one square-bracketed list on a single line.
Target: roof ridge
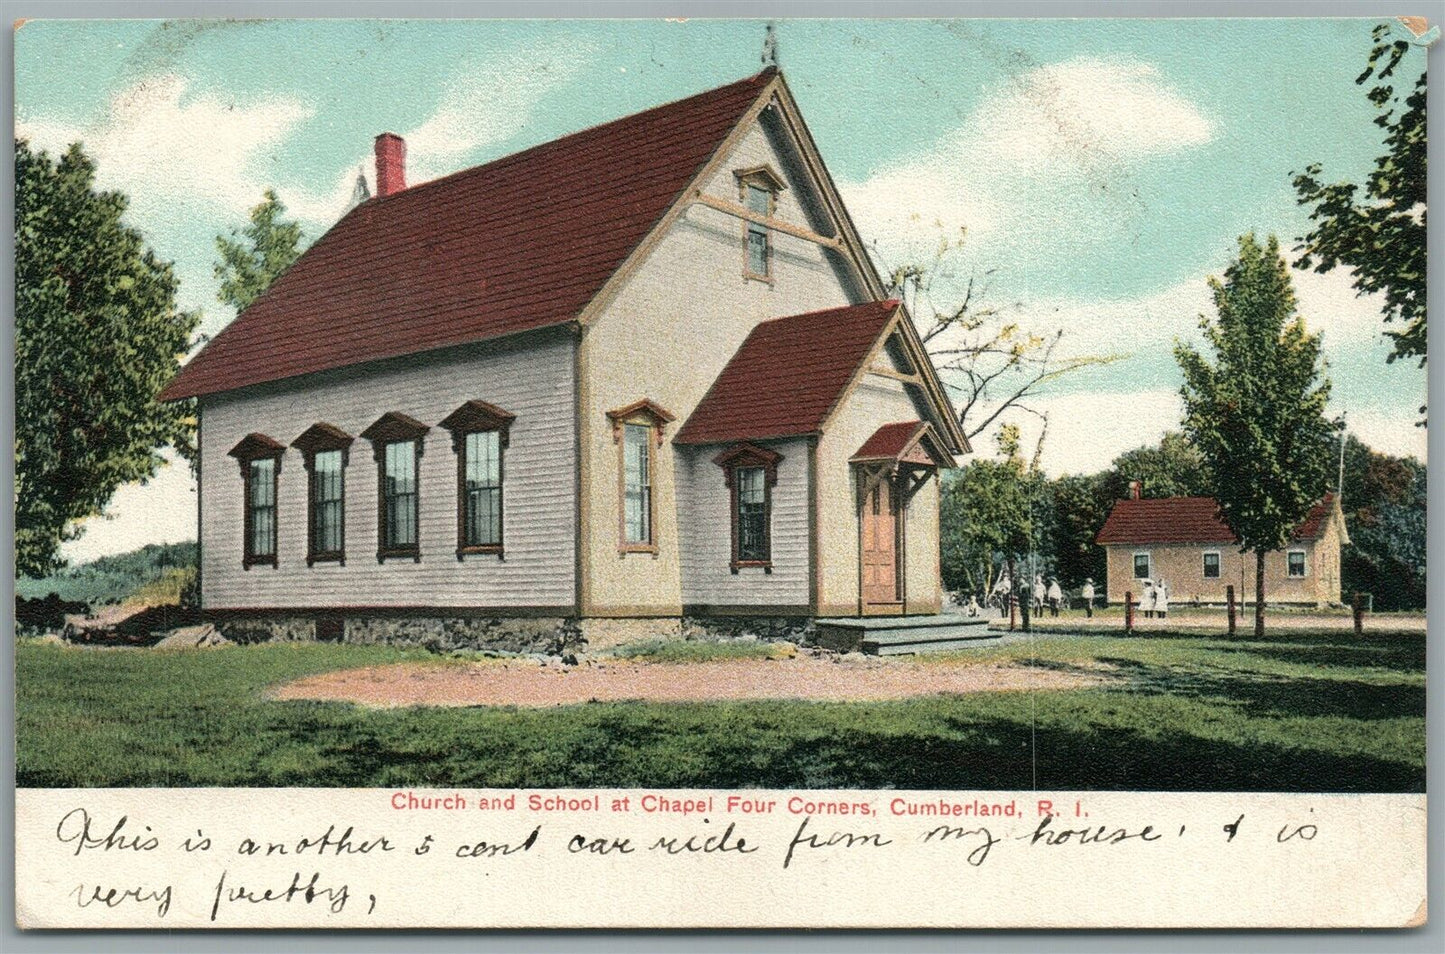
[(377, 201)]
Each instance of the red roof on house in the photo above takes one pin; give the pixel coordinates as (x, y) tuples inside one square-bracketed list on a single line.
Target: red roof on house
[(521, 243), (888, 441), (1189, 520), (788, 375)]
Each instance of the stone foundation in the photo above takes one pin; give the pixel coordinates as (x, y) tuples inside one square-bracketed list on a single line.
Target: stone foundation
[(792, 629), (550, 636)]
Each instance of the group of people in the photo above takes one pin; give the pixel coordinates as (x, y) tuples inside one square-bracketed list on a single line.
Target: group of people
[(1154, 601), (1038, 595)]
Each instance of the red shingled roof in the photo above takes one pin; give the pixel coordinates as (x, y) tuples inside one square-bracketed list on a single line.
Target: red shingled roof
[(888, 441), (1188, 520), (788, 375), (521, 243)]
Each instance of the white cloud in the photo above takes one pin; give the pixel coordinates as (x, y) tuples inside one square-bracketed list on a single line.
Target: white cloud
[(490, 101), (164, 146), (1019, 167)]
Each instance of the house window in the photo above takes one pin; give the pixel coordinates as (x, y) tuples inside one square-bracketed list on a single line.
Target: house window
[(750, 497), (327, 502), (1141, 566), (396, 441), (480, 433), (637, 429), (759, 200), (399, 493), (261, 512), (637, 485), (1296, 563), (750, 473), (260, 459), (758, 190), (324, 448), (1211, 566)]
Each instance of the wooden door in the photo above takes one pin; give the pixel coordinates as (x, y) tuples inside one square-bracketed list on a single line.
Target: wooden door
[(879, 527)]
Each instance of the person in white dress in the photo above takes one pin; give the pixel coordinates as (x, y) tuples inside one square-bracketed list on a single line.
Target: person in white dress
[(1086, 593), (1056, 597), (1146, 601), (1161, 599)]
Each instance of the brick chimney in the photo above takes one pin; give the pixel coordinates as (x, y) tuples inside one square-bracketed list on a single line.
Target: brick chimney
[(390, 164), (1136, 490)]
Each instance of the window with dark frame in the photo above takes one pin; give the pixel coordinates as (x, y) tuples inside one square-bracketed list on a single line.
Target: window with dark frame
[(750, 473), (397, 443), (1141, 566), (399, 493), (751, 500), (259, 457), (1211, 566), (480, 433), (328, 514), (325, 449), (1296, 563), (261, 511)]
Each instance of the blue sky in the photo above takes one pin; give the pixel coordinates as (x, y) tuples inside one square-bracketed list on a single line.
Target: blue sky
[(1102, 168)]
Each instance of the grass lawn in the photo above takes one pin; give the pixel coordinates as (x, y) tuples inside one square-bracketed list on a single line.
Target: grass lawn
[(1314, 711)]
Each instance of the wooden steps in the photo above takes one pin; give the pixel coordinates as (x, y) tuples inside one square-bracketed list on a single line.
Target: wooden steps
[(903, 635)]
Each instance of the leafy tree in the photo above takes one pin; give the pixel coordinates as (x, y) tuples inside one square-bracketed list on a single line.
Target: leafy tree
[(1257, 413), (97, 335), (986, 517), (1384, 507), (1380, 234), (1080, 505), (253, 257), (1174, 468)]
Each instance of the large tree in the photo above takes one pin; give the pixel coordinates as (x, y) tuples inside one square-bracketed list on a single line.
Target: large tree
[(987, 516), (1378, 231), (255, 256), (97, 335), (1257, 411)]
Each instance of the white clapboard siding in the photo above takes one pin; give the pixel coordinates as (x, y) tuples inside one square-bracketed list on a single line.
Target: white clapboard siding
[(533, 380), (705, 528)]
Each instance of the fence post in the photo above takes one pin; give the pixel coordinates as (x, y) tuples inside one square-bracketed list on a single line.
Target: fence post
[(1013, 603), (1359, 608), (1128, 612), (1229, 594), (1025, 606)]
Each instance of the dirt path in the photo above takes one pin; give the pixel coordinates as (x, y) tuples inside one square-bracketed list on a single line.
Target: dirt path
[(536, 685)]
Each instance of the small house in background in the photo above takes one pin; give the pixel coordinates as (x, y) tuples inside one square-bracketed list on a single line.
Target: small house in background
[(1185, 542)]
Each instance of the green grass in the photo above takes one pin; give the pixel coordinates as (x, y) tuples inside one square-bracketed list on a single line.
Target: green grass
[(1295, 712)]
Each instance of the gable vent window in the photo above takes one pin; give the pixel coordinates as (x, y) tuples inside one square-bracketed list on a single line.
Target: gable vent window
[(758, 189)]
